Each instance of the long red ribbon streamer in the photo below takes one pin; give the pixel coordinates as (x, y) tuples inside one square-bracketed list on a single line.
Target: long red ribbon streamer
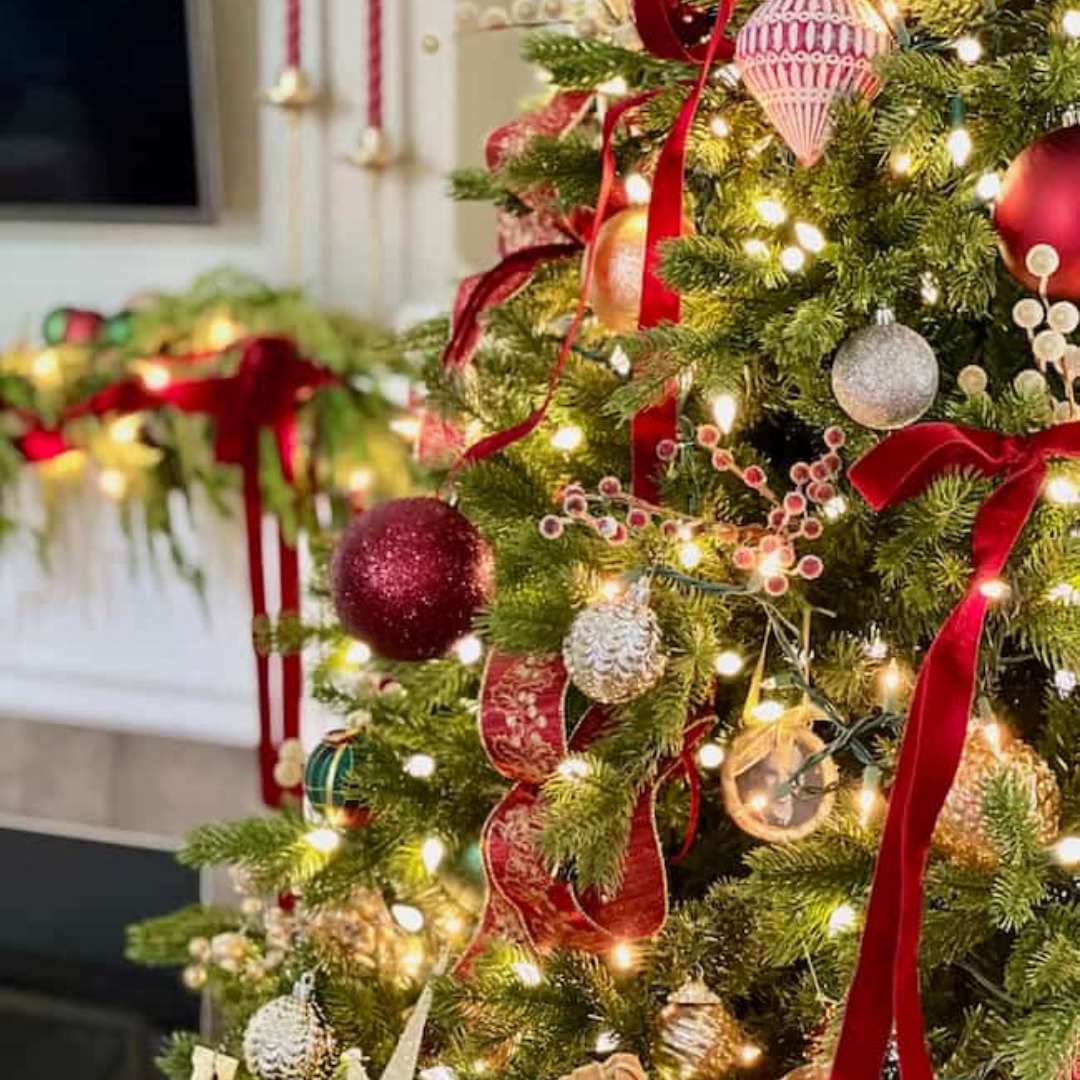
[(263, 394), (885, 989)]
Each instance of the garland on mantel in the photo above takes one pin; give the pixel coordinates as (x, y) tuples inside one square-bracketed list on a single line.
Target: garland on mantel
[(171, 395)]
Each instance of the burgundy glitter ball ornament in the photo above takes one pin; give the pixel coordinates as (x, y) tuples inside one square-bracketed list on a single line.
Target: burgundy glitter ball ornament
[(409, 576), (1039, 204)]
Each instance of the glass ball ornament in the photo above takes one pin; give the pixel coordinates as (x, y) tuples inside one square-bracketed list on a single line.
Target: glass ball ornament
[(757, 774), (1035, 214), (962, 834), (885, 376), (288, 1039), (409, 576), (614, 650), (618, 268), (327, 796), (699, 1037)]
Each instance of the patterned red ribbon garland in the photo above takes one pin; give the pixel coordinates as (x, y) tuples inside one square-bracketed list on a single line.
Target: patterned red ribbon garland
[(523, 728), (886, 984), (269, 383)]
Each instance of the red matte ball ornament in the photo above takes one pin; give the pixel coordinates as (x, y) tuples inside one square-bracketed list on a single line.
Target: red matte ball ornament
[(409, 576), (1039, 203)]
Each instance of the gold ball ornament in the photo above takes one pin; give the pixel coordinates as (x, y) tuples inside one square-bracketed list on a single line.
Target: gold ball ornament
[(360, 933), (614, 651), (699, 1038), (962, 834), (288, 1039), (808, 1072), (615, 288), (760, 764)]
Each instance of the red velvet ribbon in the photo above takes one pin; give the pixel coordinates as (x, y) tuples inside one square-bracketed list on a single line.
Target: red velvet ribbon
[(264, 392), (523, 727), (885, 989), (659, 303)]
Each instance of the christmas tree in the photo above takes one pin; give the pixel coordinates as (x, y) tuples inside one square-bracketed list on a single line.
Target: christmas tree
[(760, 571)]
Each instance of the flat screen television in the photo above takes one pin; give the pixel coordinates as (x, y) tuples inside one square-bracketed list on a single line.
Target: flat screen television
[(107, 110)]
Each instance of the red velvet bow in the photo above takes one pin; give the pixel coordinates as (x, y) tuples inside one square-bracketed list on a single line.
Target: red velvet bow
[(886, 984), (523, 728)]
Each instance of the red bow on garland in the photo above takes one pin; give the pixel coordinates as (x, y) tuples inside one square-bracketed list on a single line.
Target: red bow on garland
[(523, 728), (270, 382), (886, 985)]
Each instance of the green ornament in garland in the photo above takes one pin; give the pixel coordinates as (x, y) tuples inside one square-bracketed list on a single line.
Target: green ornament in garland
[(117, 330), (327, 796)]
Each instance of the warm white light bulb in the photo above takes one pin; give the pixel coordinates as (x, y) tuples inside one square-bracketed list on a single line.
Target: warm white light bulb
[(843, 918), (324, 841), (755, 248), (835, 508), (901, 163), (810, 236), (690, 554), (749, 1054), (968, 49), (729, 663), (360, 479), (573, 768), (568, 438), (1062, 490), (638, 189), (622, 957), (155, 376), (710, 755), (995, 589), (960, 146), (766, 712), (113, 483), (420, 766), (793, 259), (1070, 23), (469, 649), (725, 407), (719, 127), (989, 186), (771, 211), (1067, 850), (432, 853), (409, 918), (528, 974), (358, 653)]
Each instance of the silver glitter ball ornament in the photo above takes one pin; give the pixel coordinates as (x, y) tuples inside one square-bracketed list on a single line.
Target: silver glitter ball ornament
[(288, 1039), (613, 652), (886, 375)]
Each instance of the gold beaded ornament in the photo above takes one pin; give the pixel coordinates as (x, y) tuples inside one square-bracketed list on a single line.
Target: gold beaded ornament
[(990, 749)]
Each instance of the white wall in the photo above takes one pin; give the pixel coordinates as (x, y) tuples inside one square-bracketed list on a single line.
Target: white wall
[(110, 638)]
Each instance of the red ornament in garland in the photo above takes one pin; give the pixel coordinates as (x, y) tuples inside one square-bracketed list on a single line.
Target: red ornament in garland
[(799, 57), (1039, 204), (409, 576)]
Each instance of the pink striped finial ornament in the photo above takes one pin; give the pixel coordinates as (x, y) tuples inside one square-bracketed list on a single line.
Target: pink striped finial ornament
[(797, 57)]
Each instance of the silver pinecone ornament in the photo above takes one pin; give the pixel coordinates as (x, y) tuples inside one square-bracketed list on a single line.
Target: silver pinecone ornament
[(613, 651), (288, 1039), (885, 376)]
